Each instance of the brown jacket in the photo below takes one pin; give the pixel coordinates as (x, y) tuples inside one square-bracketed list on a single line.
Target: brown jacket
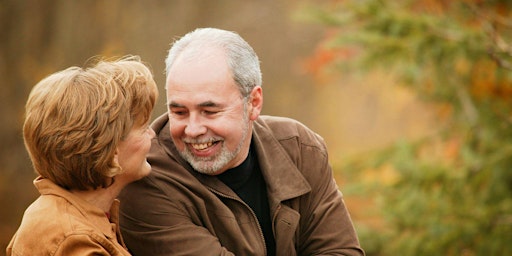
[(177, 211), (59, 223)]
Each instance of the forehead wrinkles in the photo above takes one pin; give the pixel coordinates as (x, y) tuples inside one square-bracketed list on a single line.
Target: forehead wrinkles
[(218, 101), (201, 79), (204, 95)]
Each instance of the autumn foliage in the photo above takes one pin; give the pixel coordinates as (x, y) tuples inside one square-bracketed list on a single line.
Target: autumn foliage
[(449, 193)]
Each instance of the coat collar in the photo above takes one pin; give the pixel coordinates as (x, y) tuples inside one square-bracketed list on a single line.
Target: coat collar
[(284, 180), (91, 213)]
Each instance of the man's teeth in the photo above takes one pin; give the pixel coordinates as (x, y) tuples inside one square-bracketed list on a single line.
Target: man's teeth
[(202, 146)]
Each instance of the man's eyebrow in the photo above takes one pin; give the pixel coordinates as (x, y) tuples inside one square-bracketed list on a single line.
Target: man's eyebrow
[(175, 105), (208, 104), (202, 104)]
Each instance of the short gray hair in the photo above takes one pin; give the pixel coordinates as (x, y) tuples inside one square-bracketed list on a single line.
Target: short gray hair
[(242, 59)]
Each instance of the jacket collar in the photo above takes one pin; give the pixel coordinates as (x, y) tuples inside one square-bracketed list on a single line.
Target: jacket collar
[(91, 213), (284, 180)]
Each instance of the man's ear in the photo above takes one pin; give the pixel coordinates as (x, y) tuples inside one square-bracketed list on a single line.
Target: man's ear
[(255, 103)]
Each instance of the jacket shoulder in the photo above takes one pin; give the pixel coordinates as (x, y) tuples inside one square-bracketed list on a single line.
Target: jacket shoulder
[(46, 224), (284, 128)]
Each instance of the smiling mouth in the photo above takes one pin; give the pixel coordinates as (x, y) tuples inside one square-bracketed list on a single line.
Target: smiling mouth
[(202, 146)]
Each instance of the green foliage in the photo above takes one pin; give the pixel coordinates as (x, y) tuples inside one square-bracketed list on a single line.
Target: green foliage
[(452, 194)]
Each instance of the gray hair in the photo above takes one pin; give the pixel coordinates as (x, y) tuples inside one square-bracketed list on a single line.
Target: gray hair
[(242, 59)]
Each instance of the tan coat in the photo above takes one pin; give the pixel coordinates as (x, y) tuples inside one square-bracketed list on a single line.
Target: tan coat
[(177, 211), (59, 223)]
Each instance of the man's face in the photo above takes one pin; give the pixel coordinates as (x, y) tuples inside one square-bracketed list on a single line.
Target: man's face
[(210, 121)]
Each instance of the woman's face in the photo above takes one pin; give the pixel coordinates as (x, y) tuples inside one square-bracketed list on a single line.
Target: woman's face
[(132, 151)]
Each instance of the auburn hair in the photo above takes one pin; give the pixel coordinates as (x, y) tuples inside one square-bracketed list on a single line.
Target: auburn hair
[(75, 118)]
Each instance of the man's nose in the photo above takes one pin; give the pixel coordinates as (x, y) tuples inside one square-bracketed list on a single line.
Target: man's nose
[(195, 126)]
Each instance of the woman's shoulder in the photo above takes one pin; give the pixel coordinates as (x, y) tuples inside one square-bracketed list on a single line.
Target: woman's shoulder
[(47, 223)]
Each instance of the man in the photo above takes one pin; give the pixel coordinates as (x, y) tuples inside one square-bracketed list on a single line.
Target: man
[(225, 180)]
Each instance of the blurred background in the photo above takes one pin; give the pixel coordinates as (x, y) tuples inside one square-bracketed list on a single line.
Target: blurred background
[(411, 96)]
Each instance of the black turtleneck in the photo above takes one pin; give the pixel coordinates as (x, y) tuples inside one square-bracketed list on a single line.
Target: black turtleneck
[(247, 182)]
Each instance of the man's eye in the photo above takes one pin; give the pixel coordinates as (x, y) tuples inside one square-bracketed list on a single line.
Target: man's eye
[(178, 112), (210, 112)]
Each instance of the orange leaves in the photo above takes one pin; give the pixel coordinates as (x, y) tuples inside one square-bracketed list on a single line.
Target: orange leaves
[(323, 58), (486, 85), (327, 55), (319, 60), (451, 149), (431, 6)]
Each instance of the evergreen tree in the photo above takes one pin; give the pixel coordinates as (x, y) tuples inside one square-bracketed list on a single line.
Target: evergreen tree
[(453, 191)]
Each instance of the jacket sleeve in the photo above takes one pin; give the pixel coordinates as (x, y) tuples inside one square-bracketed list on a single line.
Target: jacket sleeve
[(163, 227), (326, 223)]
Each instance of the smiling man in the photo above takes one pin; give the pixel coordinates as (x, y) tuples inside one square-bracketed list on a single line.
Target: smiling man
[(227, 180), (209, 117)]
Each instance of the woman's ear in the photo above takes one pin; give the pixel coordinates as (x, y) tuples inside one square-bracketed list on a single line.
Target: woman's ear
[(115, 160), (255, 103), (115, 167)]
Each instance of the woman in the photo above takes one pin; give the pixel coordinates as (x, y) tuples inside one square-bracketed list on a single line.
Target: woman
[(86, 131)]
